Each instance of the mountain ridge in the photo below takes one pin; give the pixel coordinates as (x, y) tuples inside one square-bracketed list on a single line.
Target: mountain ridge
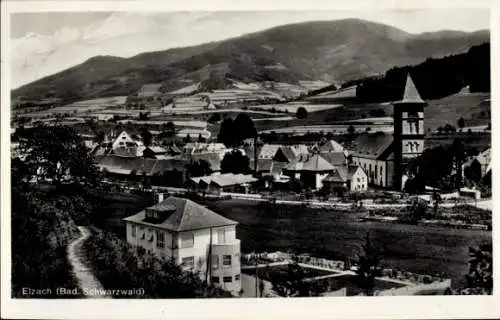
[(332, 51)]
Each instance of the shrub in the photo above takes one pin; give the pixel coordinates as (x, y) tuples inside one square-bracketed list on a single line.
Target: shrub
[(118, 265)]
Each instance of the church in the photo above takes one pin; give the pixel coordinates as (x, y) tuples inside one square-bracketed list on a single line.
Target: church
[(384, 156)]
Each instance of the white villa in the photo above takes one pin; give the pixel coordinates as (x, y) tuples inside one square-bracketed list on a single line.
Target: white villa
[(196, 238)]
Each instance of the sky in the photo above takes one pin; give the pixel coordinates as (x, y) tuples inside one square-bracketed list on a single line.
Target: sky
[(42, 44)]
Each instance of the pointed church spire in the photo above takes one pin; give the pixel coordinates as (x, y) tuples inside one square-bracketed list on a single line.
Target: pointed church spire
[(411, 94)]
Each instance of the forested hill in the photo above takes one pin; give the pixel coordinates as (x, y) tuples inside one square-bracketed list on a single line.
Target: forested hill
[(434, 78)]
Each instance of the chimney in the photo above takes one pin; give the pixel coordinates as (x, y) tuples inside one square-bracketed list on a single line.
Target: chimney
[(159, 197)]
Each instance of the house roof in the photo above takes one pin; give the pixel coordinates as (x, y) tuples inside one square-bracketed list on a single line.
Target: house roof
[(124, 165), (225, 180), (289, 152), (372, 145), (410, 94), (341, 174), (331, 146), (336, 158), (311, 163), (156, 149), (268, 151), (188, 215)]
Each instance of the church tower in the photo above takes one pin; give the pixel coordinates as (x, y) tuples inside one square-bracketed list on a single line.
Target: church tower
[(408, 130)]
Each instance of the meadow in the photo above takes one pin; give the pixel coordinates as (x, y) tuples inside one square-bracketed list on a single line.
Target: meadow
[(332, 234)]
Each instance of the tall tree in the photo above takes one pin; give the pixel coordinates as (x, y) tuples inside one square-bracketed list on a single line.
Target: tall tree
[(243, 127), (169, 129), (146, 136), (226, 133), (235, 162), (55, 153), (301, 113), (458, 152), (368, 267), (461, 123), (198, 168)]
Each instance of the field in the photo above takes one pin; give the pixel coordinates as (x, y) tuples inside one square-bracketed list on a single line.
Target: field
[(335, 129), (337, 235), (84, 106), (473, 107), (293, 106), (332, 234)]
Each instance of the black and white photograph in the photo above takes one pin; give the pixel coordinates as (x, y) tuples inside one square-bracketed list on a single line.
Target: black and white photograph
[(248, 154)]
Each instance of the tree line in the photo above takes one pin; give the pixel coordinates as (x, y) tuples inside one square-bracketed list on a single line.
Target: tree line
[(434, 78)]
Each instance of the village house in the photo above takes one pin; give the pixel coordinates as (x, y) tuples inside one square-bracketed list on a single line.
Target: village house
[(383, 157), (310, 170), (219, 183), (346, 178), (192, 236), (482, 160)]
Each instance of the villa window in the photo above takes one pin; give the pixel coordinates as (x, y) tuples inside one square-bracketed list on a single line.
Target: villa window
[(215, 262), (226, 260), (215, 279), (188, 262), (228, 279), (187, 240), (237, 277), (160, 239), (134, 231), (221, 235)]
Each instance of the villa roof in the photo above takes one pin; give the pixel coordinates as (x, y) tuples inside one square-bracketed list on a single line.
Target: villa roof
[(188, 215)]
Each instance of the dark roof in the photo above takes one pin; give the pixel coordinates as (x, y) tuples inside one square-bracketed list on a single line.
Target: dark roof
[(331, 146), (212, 158), (372, 145), (188, 215), (263, 165), (335, 158), (288, 152), (410, 94)]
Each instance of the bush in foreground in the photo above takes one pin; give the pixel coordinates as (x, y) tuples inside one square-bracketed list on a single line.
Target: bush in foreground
[(119, 266), (41, 230)]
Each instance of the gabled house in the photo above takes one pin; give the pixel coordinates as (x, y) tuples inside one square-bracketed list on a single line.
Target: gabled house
[(192, 236), (482, 160), (346, 178), (311, 170)]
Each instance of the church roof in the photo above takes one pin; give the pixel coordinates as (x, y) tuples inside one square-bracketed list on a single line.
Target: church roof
[(411, 94), (372, 145)]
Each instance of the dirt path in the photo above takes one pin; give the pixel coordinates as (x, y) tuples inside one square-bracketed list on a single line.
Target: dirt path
[(89, 285)]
